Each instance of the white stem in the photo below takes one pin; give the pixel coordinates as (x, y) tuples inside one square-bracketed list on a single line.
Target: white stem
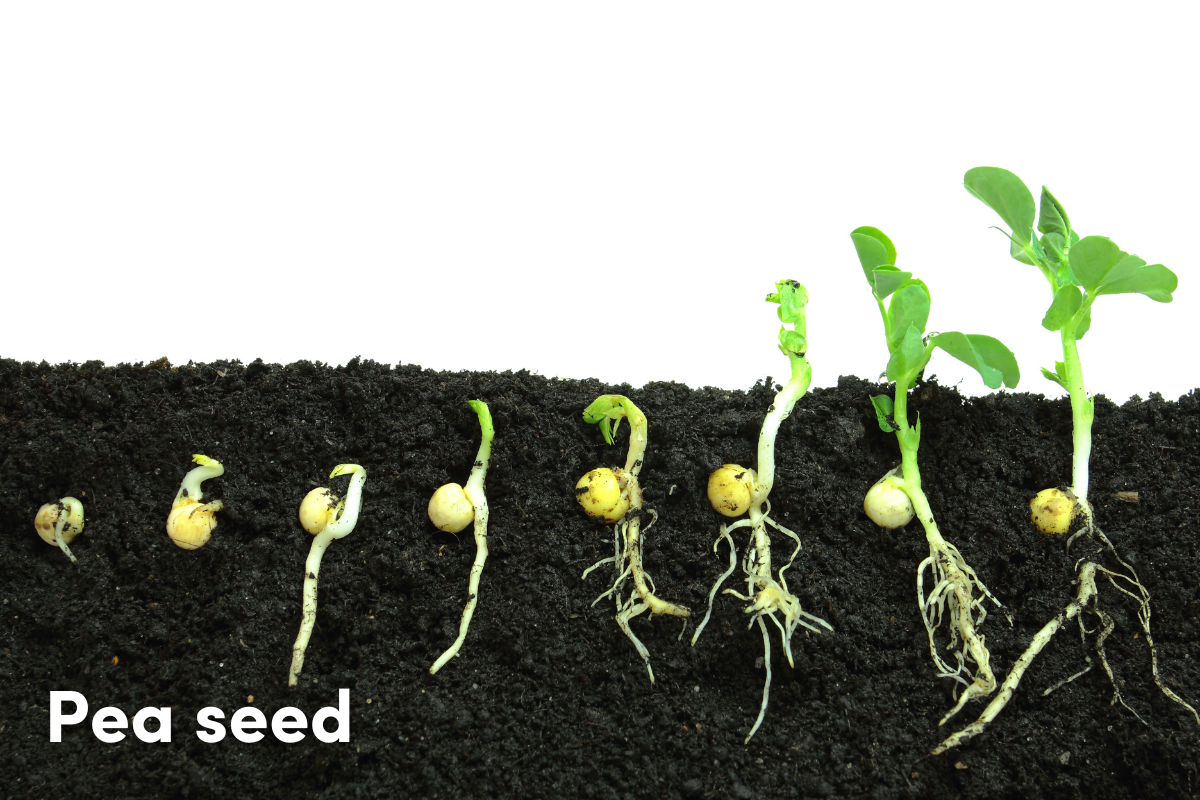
[(190, 488)]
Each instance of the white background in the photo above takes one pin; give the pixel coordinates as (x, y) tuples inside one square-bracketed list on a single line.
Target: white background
[(583, 190)]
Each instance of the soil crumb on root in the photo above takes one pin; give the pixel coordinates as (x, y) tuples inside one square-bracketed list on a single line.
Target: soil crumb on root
[(547, 699)]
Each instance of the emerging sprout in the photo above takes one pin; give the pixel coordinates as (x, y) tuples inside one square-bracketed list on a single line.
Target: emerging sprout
[(887, 505), (191, 522), (602, 494), (447, 511), (327, 519), (595, 492), (59, 523), (952, 599), (1078, 270), (732, 490)]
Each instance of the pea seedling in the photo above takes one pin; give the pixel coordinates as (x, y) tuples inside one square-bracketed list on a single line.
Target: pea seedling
[(733, 490), (1079, 270), (59, 523), (952, 598), (453, 507), (322, 515), (615, 496), (190, 523)]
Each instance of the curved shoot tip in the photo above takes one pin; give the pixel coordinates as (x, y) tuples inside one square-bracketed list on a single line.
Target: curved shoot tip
[(485, 417), (346, 469), (609, 410), (205, 461)]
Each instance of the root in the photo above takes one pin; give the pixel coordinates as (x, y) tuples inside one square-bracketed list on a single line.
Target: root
[(766, 596), (1087, 599), (627, 560), (951, 599)]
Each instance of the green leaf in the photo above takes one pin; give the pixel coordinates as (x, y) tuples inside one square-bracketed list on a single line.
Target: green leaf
[(994, 362), (1017, 251), (883, 409), (1067, 301), (1132, 275), (1053, 245), (1007, 195), (1092, 258), (792, 342), (1104, 268), (887, 279), (1084, 324), (1053, 217), (908, 357), (874, 249), (909, 308), (1053, 376)]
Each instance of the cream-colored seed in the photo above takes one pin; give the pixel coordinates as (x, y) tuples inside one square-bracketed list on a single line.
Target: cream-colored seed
[(1052, 511), (887, 505), (449, 508), (730, 489), (316, 510), (600, 494), (190, 525), (47, 518)]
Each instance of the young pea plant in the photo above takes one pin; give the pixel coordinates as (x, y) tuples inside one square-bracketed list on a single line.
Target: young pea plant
[(615, 496), (453, 507), (190, 523), (326, 518), (59, 523), (1078, 270), (733, 490), (895, 498)]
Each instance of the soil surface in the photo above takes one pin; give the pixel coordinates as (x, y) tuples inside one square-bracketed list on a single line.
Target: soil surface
[(548, 698)]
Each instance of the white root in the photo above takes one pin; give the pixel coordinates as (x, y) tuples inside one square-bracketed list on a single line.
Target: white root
[(1086, 599)]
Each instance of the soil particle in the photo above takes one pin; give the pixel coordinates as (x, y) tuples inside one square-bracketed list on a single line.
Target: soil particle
[(548, 698)]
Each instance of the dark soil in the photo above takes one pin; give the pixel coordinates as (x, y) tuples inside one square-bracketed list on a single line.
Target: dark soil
[(548, 698)]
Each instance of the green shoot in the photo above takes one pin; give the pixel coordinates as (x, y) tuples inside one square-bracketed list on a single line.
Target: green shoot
[(733, 490), (595, 492), (952, 598), (327, 519), (1078, 271), (446, 511), (190, 523), (59, 523)]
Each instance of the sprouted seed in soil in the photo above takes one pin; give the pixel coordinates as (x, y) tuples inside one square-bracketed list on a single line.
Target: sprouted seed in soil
[(615, 496), (447, 512), (59, 523), (1078, 270), (190, 523), (734, 490), (327, 518), (952, 597)]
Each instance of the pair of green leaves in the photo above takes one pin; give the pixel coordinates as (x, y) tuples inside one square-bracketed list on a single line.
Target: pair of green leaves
[(1093, 263), (791, 297), (609, 410), (906, 316)]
